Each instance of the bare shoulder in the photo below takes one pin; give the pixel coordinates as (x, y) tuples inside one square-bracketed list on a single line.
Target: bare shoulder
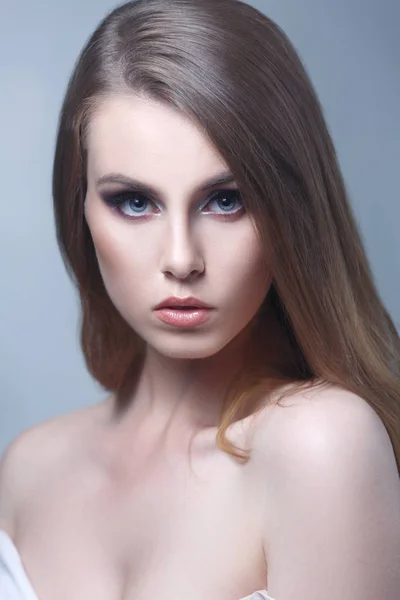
[(323, 444), (320, 422), (331, 496), (36, 452)]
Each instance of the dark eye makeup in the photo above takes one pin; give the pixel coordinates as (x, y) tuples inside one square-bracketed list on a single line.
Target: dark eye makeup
[(133, 204)]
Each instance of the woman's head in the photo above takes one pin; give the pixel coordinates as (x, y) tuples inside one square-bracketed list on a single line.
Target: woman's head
[(180, 238), (232, 83)]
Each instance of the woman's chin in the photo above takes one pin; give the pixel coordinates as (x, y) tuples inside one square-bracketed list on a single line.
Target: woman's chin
[(183, 350)]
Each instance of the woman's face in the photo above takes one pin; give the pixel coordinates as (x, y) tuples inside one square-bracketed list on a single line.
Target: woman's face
[(179, 239)]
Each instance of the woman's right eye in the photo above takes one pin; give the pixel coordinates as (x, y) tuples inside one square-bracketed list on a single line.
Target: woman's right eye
[(130, 204)]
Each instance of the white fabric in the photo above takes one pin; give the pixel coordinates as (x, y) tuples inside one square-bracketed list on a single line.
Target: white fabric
[(260, 595), (14, 582)]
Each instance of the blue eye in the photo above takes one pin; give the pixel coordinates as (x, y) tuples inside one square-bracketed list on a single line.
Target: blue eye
[(128, 204), (134, 205), (228, 201)]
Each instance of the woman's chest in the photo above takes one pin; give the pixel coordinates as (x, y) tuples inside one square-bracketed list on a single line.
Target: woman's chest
[(168, 534)]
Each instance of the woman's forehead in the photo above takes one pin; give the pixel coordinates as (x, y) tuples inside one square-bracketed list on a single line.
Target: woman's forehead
[(145, 139)]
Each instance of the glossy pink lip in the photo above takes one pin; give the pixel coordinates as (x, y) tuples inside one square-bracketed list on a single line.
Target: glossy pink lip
[(174, 302), (183, 317)]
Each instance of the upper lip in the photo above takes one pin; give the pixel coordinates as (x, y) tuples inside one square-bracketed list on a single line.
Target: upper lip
[(173, 301)]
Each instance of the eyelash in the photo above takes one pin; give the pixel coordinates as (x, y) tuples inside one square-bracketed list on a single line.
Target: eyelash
[(115, 201)]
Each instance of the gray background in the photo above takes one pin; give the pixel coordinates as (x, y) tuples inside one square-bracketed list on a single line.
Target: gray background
[(351, 49)]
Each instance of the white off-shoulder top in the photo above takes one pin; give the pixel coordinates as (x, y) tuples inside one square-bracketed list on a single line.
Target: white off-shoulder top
[(15, 584)]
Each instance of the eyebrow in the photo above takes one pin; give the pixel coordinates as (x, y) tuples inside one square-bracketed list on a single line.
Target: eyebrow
[(221, 179)]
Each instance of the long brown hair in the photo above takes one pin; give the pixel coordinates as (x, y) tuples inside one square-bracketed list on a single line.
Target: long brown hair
[(234, 72)]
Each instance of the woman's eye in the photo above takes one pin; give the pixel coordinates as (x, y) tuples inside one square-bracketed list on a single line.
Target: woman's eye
[(135, 205), (227, 202), (130, 204)]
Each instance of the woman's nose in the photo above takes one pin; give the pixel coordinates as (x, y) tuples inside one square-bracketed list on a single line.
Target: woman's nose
[(182, 257)]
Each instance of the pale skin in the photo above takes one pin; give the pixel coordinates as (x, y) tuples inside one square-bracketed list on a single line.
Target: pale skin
[(109, 508)]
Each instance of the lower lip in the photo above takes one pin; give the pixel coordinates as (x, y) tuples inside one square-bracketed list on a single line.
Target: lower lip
[(183, 318)]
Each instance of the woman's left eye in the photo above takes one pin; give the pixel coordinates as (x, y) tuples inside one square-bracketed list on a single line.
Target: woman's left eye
[(228, 201), (134, 205)]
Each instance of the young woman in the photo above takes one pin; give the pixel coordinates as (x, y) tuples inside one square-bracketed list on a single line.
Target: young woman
[(250, 439)]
